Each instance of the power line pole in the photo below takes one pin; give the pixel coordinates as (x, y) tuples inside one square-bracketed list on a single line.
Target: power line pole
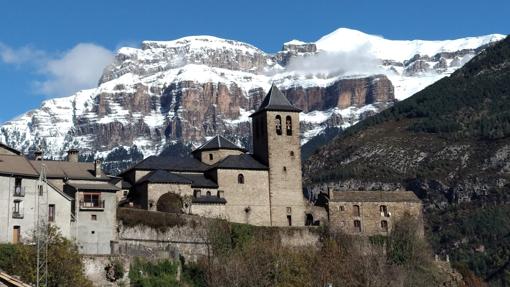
[(42, 228)]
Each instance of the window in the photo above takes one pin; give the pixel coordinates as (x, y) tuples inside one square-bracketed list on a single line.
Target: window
[(355, 210), (288, 125), (292, 153), (284, 169), (211, 156), (197, 193), (278, 124), (384, 211), (289, 210), (384, 225), (17, 209), (341, 208), (93, 217), (40, 190), (220, 193), (17, 206), (18, 191), (289, 219), (208, 193), (357, 225), (92, 200), (51, 213), (240, 178)]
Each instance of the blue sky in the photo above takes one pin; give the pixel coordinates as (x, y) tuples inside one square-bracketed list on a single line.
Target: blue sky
[(41, 42)]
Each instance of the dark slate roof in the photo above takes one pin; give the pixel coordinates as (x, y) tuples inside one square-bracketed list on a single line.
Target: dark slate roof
[(211, 199), (69, 170), (241, 161), (16, 165), (200, 181), (218, 142), (94, 186), (14, 151), (180, 164), (374, 196), (163, 176), (275, 100)]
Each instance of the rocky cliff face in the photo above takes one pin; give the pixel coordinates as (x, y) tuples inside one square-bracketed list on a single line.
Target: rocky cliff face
[(195, 87)]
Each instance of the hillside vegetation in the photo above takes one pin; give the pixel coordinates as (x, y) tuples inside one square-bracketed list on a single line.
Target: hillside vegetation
[(450, 144)]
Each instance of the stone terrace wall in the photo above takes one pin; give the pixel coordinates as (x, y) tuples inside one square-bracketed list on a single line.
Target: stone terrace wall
[(162, 235)]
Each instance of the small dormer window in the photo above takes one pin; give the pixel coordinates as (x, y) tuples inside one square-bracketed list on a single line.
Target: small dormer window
[(208, 193), (211, 156), (197, 193)]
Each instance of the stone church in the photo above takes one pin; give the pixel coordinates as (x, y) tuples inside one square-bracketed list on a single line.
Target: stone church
[(223, 180)]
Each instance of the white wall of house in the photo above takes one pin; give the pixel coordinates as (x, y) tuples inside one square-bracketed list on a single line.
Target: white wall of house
[(95, 228), (26, 215)]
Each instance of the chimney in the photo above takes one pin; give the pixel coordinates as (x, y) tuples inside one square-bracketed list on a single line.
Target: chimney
[(73, 155), (38, 155), (97, 168)]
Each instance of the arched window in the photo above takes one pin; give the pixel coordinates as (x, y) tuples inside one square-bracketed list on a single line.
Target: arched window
[(288, 125), (357, 225), (355, 210), (278, 124), (211, 156), (240, 178), (384, 210), (384, 225), (208, 193)]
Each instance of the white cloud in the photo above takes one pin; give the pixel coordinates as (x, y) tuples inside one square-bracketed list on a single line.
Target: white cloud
[(21, 55), (63, 74), (77, 69), (355, 62)]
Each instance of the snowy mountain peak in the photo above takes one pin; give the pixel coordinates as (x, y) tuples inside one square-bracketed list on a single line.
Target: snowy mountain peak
[(348, 40)]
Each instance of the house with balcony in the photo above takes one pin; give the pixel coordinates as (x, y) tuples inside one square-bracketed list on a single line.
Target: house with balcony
[(77, 197)]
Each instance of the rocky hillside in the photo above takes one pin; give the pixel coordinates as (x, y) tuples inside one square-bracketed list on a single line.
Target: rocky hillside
[(183, 91), (450, 144)]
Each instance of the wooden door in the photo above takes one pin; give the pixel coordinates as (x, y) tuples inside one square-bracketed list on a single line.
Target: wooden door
[(16, 234)]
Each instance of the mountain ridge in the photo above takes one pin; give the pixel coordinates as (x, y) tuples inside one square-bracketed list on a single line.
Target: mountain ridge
[(189, 89)]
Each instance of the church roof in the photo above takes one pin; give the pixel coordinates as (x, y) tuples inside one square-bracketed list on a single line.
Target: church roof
[(275, 100), (199, 180), (218, 142), (241, 161), (181, 164), (163, 176)]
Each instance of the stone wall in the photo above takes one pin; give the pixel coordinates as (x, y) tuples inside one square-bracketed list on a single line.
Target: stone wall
[(285, 184), (217, 155), (187, 236), (343, 215), (247, 202)]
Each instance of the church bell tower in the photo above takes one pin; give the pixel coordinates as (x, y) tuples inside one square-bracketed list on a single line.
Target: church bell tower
[(276, 143)]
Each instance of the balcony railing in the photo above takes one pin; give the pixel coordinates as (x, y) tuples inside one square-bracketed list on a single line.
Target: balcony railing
[(92, 205), (17, 213), (19, 191)]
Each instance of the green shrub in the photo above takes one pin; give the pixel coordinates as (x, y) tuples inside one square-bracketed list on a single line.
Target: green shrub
[(143, 273)]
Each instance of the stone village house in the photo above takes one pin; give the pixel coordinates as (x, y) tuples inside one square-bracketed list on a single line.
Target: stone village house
[(219, 180), (77, 197)]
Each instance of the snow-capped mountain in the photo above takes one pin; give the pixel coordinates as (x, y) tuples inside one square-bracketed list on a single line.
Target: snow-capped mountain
[(195, 87)]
